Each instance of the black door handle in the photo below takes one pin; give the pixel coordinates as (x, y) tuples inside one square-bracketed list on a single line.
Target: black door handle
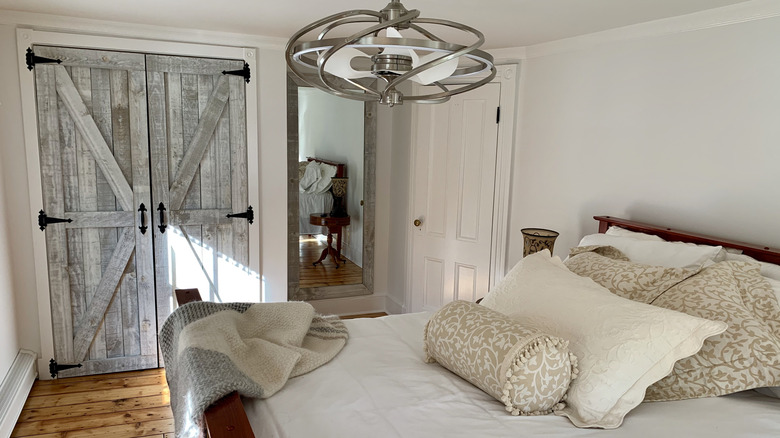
[(163, 225), (249, 215), (143, 226)]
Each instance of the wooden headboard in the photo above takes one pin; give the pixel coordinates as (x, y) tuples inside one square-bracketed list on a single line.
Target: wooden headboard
[(760, 253), (341, 168)]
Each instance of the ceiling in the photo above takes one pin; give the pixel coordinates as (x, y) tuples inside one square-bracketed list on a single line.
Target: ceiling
[(505, 23)]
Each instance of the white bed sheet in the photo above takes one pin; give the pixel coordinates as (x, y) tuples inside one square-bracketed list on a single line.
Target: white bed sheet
[(311, 203), (379, 386)]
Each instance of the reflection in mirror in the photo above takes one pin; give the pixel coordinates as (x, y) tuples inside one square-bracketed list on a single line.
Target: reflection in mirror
[(330, 147), (331, 144)]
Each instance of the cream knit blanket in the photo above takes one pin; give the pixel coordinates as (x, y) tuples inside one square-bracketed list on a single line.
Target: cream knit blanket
[(212, 349)]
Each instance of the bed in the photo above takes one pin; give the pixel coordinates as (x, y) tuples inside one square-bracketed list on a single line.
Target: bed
[(315, 194), (389, 390)]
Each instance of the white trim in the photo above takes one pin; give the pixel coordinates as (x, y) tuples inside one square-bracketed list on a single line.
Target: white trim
[(27, 37), (711, 18), (393, 307), (57, 23), (14, 390), (506, 77), (350, 305)]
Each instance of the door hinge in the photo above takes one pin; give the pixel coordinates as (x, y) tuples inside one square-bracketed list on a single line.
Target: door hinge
[(55, 368), (33, 59), (244, 72), (249, 215), (498, 115), (44, 221)]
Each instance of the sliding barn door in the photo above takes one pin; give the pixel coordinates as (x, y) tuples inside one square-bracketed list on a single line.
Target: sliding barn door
[(93, 138), (199, 176)]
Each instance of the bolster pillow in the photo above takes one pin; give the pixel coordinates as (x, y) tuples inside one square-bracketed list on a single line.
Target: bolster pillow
[(522, 367)]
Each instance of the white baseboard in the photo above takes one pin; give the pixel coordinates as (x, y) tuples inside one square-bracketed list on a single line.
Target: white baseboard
[(393, 307), (15, 389), (350, 305)]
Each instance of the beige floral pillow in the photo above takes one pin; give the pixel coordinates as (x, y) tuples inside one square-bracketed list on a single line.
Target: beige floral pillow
[(746, 355), (608, 267), (527, 370)]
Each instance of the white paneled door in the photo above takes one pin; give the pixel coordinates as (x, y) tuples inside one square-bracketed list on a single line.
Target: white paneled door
[(453, 190), (143, 157)]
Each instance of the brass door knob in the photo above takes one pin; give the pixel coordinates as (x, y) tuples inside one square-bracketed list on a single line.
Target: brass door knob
[(417, 222)]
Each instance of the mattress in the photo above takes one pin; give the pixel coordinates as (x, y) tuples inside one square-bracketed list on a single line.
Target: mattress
[(379, 386)]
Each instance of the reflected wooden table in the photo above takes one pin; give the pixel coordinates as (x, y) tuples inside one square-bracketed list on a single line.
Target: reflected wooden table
[(334, 225)]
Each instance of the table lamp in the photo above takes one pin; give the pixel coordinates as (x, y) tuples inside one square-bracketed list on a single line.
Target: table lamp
[(339, 189), (537, 239)]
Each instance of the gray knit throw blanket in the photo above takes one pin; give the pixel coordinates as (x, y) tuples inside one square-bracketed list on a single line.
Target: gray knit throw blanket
[(213, 349)]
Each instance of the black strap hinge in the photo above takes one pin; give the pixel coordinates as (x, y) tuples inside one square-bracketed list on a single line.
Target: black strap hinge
[(33, 59), (249, 215), (44, 221), (244, 72), (55, 368)]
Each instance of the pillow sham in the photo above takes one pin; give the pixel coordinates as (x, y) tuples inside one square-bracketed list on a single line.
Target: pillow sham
[(323, 183), (310, 175), (622, 346), (767, 269), (746, 355), (524, 368), (608, 267), (667, 254), (622, 232)]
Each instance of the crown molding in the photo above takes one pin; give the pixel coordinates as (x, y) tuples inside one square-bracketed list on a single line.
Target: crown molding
[(88, 26), (724, 16)]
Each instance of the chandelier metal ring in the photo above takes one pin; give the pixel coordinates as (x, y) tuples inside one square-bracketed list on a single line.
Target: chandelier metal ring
[(327, 61)]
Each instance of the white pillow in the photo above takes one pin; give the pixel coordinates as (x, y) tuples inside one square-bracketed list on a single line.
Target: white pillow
[(622, 232), (768, 270), (310, 176), (323, 183), (657, 253), (623, 346)]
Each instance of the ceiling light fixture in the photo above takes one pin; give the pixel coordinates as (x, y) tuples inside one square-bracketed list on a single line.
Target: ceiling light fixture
[(337, 64)]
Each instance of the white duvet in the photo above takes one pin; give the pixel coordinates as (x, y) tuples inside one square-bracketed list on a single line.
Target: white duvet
[(379, 386)]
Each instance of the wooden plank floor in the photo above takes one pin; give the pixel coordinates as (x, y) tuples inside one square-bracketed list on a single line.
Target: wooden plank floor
[(121, 405), (325, 273)]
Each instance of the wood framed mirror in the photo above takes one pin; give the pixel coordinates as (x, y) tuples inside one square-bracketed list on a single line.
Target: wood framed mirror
[(300, 255)]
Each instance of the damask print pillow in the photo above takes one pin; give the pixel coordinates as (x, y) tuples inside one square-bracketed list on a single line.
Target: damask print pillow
[(608, 267), (746, 355), (622, 346), (524, 368)]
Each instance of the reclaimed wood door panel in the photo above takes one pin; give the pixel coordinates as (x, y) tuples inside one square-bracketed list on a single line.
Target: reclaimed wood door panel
[(94, 164), (199, 174)]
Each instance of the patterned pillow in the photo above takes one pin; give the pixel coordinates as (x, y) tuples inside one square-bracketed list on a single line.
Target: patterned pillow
[(608, 267), (527, 370), (746, 355), (622, 346)]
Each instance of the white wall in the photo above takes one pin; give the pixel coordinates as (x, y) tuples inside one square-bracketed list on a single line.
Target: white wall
[(9, 340), (331, 128), (13, 212), (680, 130)]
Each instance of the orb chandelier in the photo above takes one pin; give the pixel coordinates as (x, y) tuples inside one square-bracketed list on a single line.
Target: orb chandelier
[(394, 48)]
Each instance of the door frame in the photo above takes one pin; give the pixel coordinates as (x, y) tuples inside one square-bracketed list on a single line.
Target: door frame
[(26, 37), (507, 77)]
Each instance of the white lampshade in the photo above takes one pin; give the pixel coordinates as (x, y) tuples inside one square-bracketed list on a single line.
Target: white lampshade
[(433, 74), (340, 64)]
